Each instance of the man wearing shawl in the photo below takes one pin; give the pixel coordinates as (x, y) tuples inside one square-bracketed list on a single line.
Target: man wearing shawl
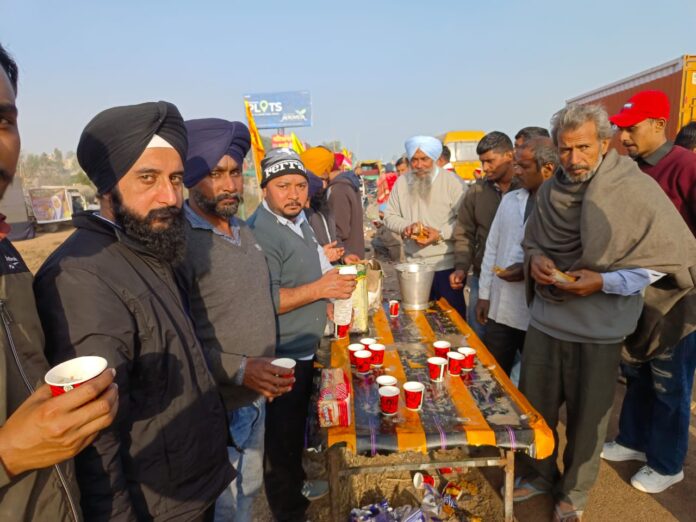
[(426, 200), (109, 290), (613, 232), (225, 278)]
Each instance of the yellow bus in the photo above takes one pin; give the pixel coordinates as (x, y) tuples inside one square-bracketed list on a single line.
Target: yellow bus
[(464, 159)]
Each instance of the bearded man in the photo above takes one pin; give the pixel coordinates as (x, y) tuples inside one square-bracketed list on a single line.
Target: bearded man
[(109, 290), (422, 208), (626, 253), (226, 280)]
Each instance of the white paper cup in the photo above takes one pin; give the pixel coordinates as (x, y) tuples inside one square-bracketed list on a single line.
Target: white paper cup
[(285, 362), (362, 361), (71, 374), (436, 368), (386, 380), (389, 400), (414, 392)]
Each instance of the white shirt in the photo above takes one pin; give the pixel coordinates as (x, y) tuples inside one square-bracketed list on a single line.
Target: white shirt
[(503, 248)]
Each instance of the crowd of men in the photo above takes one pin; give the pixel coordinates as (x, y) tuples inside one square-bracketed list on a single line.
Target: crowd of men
[(578, 262)]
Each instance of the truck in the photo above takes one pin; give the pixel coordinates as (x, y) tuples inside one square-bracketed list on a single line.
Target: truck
[(676, 78), (462, 145)]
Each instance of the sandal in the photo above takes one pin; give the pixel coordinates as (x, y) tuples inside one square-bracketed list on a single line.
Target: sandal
[(523, 490), (574, 515)]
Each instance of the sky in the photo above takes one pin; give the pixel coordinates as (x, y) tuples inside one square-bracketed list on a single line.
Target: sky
[(378, 71)]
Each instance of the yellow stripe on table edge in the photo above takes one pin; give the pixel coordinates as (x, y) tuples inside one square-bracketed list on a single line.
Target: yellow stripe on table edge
[(343, 434), (478, 431), (410, 435), (543, 437)]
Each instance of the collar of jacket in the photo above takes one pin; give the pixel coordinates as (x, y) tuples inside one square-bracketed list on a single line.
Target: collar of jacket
[(91, 221)]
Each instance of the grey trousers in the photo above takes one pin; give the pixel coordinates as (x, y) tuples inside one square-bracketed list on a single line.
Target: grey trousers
[(583, 376)]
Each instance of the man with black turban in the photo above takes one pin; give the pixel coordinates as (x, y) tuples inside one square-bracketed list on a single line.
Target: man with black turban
[(226, 280), (109, 290)]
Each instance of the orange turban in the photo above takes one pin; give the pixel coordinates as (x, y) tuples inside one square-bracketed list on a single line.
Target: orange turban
[(318, 160)]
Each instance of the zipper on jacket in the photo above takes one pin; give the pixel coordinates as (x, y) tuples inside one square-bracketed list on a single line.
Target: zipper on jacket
[(7, 321)]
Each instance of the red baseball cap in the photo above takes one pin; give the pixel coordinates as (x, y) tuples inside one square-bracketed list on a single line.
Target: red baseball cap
[(641, 106)]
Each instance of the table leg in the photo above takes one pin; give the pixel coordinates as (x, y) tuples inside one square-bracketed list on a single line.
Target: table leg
[(334, 483), (509, 484)]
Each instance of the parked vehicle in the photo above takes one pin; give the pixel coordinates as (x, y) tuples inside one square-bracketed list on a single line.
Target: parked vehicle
[(676, 78)]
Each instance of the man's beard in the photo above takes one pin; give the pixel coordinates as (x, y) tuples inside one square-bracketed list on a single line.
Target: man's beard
[(420, 184), (589, 174), (216, 207), (167, 243)]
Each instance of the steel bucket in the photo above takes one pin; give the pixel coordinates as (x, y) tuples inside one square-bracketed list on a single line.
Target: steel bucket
[(415, 281)]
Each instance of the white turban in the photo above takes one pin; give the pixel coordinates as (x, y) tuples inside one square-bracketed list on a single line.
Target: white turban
[(431, 147)]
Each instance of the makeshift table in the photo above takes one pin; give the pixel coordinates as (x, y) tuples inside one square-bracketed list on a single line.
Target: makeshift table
[(480, 408)]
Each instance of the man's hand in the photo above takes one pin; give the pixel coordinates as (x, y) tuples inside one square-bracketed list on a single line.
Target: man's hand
[(351, 259), (512, 274), (47, 430), (333, 253), (457, 279), (330, 311), (432, 235), (541, 269), (587, 283), (482, 307), (333, 285), (267, 379), (410, 230)]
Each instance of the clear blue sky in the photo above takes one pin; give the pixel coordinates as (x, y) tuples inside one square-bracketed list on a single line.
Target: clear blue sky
[(378, 71)]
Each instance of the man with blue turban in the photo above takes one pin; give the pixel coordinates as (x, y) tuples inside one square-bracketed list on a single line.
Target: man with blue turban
[(226, 282), (422, 208)]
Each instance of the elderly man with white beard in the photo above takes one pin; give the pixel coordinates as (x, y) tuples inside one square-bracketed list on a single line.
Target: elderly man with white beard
[(423, 208)]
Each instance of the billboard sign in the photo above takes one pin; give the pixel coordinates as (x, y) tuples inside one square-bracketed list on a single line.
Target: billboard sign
[(278, 110)]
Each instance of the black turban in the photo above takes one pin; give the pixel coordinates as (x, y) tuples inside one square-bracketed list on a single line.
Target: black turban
[(209, 140), (115, 138)]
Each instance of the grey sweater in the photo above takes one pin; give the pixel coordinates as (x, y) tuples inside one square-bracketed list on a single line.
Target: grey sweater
[(230, 304), (440, 212), (292, 261)]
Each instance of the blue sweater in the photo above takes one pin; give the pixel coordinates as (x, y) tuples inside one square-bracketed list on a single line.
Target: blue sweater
[(292, 262)]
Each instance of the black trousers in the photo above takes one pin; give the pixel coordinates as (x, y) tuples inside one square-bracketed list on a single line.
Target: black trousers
[(503, 342), (283, 475), (583, 376)]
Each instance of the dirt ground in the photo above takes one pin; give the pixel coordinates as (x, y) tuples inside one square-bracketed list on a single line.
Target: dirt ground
[(611, 499)]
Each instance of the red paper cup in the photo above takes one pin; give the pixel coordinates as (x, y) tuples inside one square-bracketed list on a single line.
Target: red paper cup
[(367, 341), (285, 362), (442, 348), (342, 331), (389, 399), (421, 479), (436, 368), (386, 380), (352, 348), (469, 358), (362, 361), (377, 351), (455, 363), (71, 374), (393, 308), (413, 394)]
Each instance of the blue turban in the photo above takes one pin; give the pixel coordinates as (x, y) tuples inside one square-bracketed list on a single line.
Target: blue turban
[(209, 140), (431, 147), (316, 184)]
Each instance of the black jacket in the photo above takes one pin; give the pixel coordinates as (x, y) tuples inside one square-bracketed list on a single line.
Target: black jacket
[(347, 209), (165, 456), (42, 495)]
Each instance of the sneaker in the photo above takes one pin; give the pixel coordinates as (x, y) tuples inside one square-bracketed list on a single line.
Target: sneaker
[(315, 489), (648, 480), (617, 453)]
